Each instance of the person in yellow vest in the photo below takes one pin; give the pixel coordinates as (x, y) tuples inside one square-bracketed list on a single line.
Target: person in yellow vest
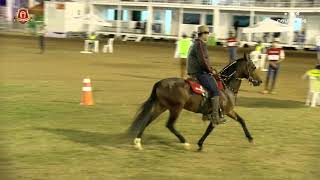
[(184, 45), (314, 84), (315, 73), (92, 37), (260, 47)]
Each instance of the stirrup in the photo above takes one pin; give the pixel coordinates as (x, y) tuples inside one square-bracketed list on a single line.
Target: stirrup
[(222, 119)]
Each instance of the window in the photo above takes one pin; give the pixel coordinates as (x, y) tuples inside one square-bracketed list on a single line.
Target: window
[(189, 18), (209, 19), (110, 14), (241, 21), (125, 15), (157, 15), (136, 15), (3, 2)]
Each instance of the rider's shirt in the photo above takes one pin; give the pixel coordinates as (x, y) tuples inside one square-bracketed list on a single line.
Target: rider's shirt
[(198, 61)]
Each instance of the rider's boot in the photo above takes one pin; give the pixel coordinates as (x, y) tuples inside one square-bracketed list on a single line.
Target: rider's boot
[(216, 116)]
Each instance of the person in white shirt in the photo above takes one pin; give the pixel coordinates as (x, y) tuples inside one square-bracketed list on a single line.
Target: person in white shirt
[(275, 56)]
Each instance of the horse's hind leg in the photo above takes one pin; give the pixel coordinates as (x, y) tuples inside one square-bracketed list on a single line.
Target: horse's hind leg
[(239, 119), (174, 114), (205, 135), (159, 109)]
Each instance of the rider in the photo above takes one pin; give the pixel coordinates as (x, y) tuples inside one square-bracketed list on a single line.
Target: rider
[(199, 67)]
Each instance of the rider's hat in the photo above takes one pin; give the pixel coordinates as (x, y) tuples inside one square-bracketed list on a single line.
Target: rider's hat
[(203, 29)]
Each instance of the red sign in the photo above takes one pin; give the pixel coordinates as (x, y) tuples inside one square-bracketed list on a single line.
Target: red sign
[(23, 15)]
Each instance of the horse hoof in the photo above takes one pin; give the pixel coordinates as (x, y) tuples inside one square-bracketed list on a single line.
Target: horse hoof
[(199, 149), (251, 141), (137, 143), (187, 146), (139, 147)]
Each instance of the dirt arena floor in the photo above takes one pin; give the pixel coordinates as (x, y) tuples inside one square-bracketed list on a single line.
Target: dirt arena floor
[(46, 134)]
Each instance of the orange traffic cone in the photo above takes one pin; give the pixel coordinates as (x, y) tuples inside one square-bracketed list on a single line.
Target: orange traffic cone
[(87, 93)]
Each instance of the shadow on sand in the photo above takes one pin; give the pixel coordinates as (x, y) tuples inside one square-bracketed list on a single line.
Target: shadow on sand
[(252, 102), (105, 140)]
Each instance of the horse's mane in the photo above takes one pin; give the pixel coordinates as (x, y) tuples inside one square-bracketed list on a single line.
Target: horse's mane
[(230, 68)]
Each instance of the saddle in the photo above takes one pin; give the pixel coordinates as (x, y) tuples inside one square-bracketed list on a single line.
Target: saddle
[(197, 88)]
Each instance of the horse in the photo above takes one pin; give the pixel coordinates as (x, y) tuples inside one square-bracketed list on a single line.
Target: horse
[(175, 94)]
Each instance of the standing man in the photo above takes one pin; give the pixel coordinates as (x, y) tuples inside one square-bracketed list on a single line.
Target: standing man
[(41, 33), (318, 48), (275, 55), (259, 47), (183, 49), (301, 39), (92, 37), (232, 45), (199, 67)]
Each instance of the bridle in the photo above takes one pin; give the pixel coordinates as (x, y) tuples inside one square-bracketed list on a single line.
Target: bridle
[(226, 78)]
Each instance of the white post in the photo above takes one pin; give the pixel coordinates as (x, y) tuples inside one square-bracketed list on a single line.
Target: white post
[(202, 18), (216, 22), (91, 19), (292, 16), (119, 20), (129, 18), (180, 22), (150, 20), (163, 19), (9, 10), (251, 24)]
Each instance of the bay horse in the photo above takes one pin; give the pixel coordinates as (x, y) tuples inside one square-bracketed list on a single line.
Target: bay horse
[(175, 94)]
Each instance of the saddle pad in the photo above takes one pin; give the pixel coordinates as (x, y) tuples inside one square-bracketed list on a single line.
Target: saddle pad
[(196, 87), (220, 85)]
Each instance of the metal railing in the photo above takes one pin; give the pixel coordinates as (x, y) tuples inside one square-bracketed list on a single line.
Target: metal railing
[(252, 3)]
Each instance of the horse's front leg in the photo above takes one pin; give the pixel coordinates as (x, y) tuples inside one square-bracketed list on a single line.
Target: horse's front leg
[(205, 135), (239, 119)]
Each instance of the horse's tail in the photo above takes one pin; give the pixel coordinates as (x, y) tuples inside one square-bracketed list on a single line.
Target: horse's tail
[(144, 113)]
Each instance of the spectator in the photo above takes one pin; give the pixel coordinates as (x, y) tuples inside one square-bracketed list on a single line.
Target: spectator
[(92, 37), (183, 49), (232, 46), (301, 39), (275, 55), (265, 37), (314, 86), (41, 33)]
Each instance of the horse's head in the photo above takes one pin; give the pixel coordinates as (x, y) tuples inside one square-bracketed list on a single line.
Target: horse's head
[(246, 69)]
